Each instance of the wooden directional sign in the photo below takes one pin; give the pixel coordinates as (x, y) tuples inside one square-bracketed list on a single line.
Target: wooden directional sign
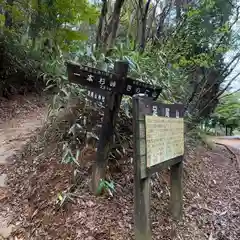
[(94, 78), (135, 87)]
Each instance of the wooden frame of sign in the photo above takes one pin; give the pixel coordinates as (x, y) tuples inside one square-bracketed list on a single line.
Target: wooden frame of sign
[(158, 144)]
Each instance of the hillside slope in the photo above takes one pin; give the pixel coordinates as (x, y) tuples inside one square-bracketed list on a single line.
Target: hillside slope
[(36, 177)]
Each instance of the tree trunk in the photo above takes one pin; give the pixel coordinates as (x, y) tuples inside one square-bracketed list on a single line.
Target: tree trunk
[(131, 21), (143, 27), (8, 14), (149, 31), (162, 18), (178, 4), (110, 34), (101, 24), (35, 23), (139, 11)]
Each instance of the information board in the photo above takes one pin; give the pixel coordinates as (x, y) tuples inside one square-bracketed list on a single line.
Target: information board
[(158, 134), (164, 139)]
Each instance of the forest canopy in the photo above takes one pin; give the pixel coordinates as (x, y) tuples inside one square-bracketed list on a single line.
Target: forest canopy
[(177, 44)]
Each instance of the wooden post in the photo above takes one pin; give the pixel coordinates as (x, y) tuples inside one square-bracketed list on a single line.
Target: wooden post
[(108, 126), (176, 198), (142, 226), (142, 195)]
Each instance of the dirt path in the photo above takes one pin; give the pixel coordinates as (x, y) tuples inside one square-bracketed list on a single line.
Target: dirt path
[(20, 117), (232, 142)]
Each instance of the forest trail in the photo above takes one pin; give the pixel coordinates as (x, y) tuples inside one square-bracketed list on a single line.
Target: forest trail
[(233, 141), (19, 119)]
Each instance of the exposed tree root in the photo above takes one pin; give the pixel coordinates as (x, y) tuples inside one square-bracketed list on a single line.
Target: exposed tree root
[(235, 156)]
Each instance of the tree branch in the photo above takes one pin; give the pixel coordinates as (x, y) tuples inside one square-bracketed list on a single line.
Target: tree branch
[(220, 93), (229, 94)]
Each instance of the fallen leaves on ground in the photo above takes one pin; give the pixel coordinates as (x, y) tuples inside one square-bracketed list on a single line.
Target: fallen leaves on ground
[(19, 106), (211, 202), (36, 178)]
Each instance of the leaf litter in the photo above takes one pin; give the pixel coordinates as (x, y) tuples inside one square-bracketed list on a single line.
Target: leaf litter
[(36, 177)]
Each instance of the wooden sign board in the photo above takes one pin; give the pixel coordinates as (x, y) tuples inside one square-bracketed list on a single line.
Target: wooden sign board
[(135, 87), (164, 139), (158, 134), (94, 78)]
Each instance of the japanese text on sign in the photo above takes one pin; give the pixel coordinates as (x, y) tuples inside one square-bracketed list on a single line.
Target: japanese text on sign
[(134, 87), (96, 96), (164, 139), (95, 78)]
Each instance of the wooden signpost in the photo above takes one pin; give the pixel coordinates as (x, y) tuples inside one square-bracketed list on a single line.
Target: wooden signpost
[(158, 144), (158, 135), (107, 88)]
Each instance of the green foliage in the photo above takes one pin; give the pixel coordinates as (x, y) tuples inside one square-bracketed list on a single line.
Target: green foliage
[(59, 19), (227, 113), (197, 42), (58, 30), (42, 32), (54, 20), (2, 20), (68, 156), (104, 185)]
